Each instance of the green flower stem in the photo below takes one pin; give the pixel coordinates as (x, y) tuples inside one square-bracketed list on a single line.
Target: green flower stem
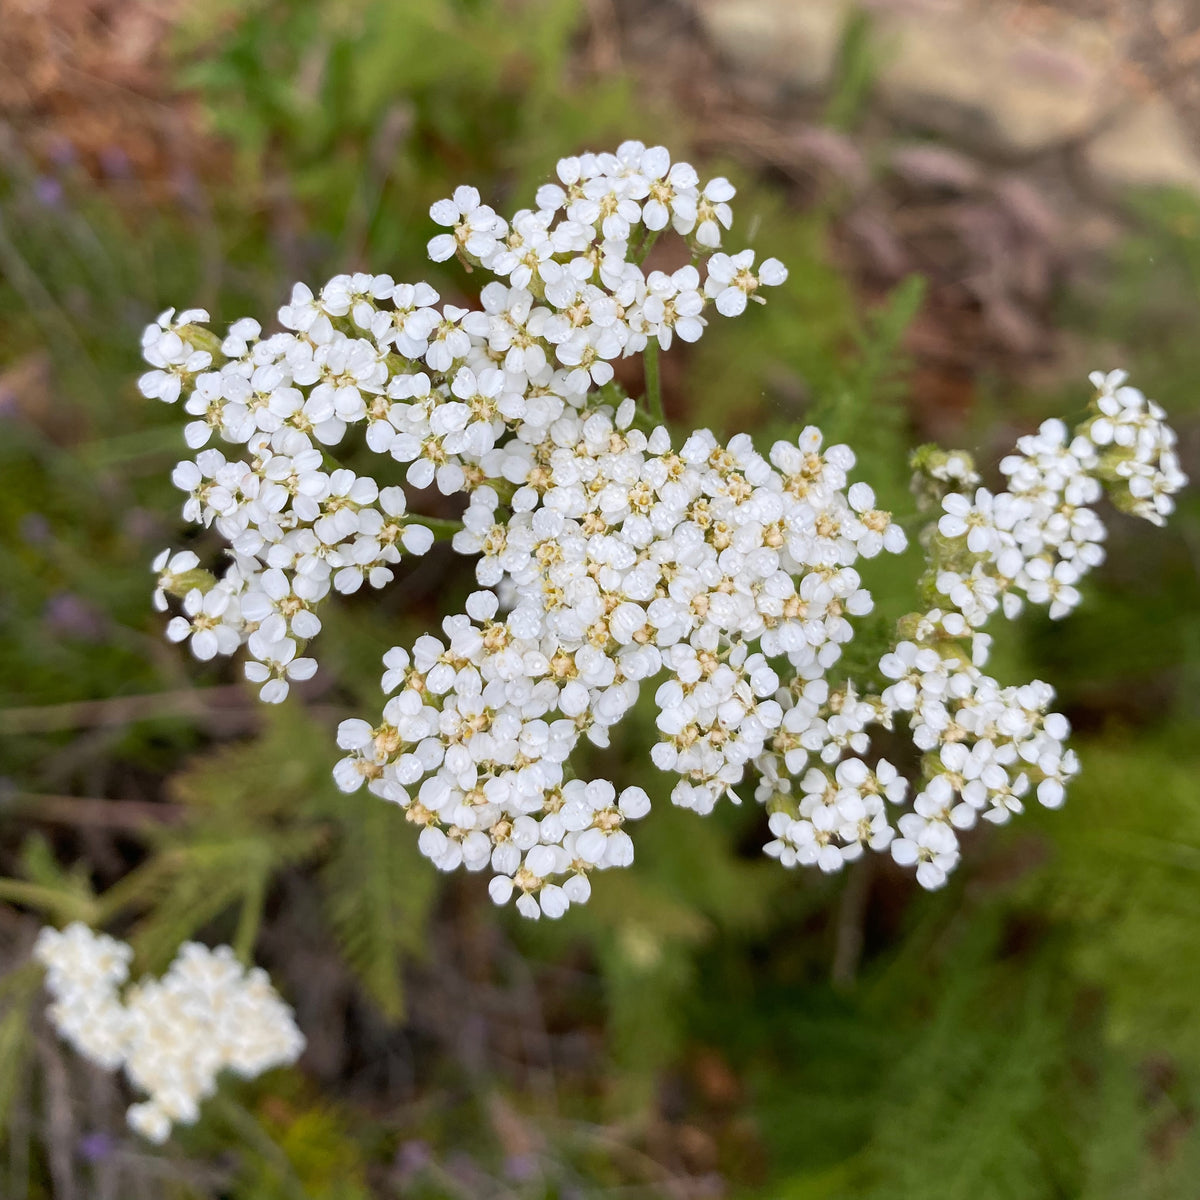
[(250, 918), (67, 906), (646, 246), (654, 404)]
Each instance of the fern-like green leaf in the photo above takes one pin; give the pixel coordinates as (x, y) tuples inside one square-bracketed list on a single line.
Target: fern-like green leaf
[(377, 891)]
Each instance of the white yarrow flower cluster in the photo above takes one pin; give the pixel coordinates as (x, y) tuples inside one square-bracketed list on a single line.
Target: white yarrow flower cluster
[(459, 397), (1136, 449), (615, 562), (172, 1036), (986, 747), (634, 561)]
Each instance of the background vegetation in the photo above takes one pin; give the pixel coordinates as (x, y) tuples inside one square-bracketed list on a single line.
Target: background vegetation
[(709, 1025)]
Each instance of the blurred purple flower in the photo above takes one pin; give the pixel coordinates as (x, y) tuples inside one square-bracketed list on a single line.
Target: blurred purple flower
[(48, 191), (411, 1159), (142, 525), (466, 1170), (95, 1147), (73, 616), (34, 529), (187, 189), (520, 1168), (62, 152), (114, 162)]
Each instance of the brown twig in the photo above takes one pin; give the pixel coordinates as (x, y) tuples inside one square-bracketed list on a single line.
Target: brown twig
[(59, 1122), (93, 811), (604, 44), (121, 710)]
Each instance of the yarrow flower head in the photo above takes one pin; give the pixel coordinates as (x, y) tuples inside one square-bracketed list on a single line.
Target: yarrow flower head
[(614, 561), (171, 1036)]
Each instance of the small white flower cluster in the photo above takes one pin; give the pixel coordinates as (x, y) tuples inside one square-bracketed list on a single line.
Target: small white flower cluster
[(1135, 448), (173, 1035), (986, 746), (461, 397), (1037, 540), (175, 362), (296, 524), (608, 558)]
